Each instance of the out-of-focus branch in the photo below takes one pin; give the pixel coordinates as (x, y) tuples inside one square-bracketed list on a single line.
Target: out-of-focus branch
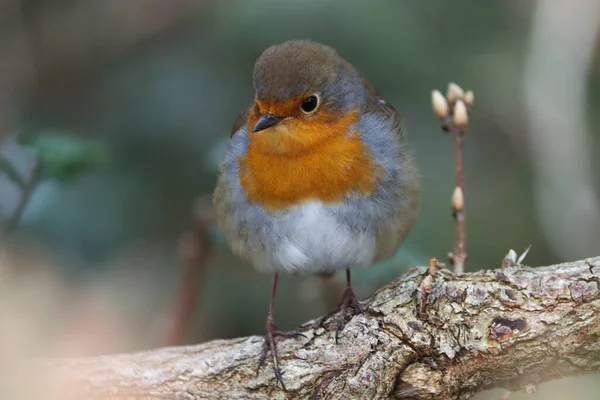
[(561, 51), (511, 327), (26, 187), (195, 249)]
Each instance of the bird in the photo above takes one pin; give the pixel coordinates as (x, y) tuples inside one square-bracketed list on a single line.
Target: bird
[(317, 175)]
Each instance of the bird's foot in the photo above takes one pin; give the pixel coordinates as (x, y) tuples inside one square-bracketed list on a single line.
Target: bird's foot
[(271, 333), (348, 307)]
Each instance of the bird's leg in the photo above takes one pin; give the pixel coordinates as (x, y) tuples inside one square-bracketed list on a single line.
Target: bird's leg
[(349, 298), (348, 307), (271, 333)]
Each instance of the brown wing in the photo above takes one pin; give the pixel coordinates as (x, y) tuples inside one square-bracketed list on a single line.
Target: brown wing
[(241, 119), (383, 107), (377, 104)]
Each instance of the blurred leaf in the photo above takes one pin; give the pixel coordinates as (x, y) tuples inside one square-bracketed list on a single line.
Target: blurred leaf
[(65, 157), (10, 171)]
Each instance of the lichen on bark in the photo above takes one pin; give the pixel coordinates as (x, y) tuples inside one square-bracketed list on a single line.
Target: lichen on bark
[(510, 327)]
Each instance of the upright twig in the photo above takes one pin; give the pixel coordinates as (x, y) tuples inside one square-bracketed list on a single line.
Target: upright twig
[(27, 187), (195, 250), (452, 111)]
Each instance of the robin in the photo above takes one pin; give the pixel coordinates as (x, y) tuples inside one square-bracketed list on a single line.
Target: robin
[(317, 176)]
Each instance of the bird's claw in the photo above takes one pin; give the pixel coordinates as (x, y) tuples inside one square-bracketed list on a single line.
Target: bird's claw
[(348, 307), (269, 345)]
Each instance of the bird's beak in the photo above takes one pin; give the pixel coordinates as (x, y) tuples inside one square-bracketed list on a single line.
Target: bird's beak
[(266, 121)]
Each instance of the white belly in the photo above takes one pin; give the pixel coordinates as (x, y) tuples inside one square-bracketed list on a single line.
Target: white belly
[(317, 242)]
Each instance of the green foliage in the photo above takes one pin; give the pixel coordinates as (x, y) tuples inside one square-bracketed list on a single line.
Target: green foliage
[(65, 157)]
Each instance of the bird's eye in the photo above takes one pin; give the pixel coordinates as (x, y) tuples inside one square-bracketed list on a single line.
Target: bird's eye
[(310, 103)]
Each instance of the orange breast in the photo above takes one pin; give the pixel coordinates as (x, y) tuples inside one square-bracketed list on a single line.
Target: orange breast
[(307, 160)]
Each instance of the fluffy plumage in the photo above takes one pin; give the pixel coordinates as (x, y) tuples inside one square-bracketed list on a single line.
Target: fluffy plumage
[(341, 208)]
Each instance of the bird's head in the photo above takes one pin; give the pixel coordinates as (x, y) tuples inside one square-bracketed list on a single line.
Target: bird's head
[(305, 94)]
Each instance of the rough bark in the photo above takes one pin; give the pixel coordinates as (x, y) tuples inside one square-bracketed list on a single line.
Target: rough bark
[(509, 327)]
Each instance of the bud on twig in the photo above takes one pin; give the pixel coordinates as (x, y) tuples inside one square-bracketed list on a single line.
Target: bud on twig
[(468, 98), (424, 291), (454, 93), (439, 103), (427, 284), (510, 259), (434, 265), (458, 200), (461, 118)]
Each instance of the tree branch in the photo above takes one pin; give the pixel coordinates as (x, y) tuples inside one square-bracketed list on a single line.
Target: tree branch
[(195, 249), (27, 187), (510, 327)]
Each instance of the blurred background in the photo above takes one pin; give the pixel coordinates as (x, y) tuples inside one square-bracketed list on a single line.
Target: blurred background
[(114, 116)]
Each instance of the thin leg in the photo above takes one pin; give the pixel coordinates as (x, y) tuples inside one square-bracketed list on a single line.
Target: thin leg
[(270, 333), (348, 307)]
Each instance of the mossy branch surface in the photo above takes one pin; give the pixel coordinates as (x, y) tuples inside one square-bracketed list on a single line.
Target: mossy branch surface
[(510, 327)]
